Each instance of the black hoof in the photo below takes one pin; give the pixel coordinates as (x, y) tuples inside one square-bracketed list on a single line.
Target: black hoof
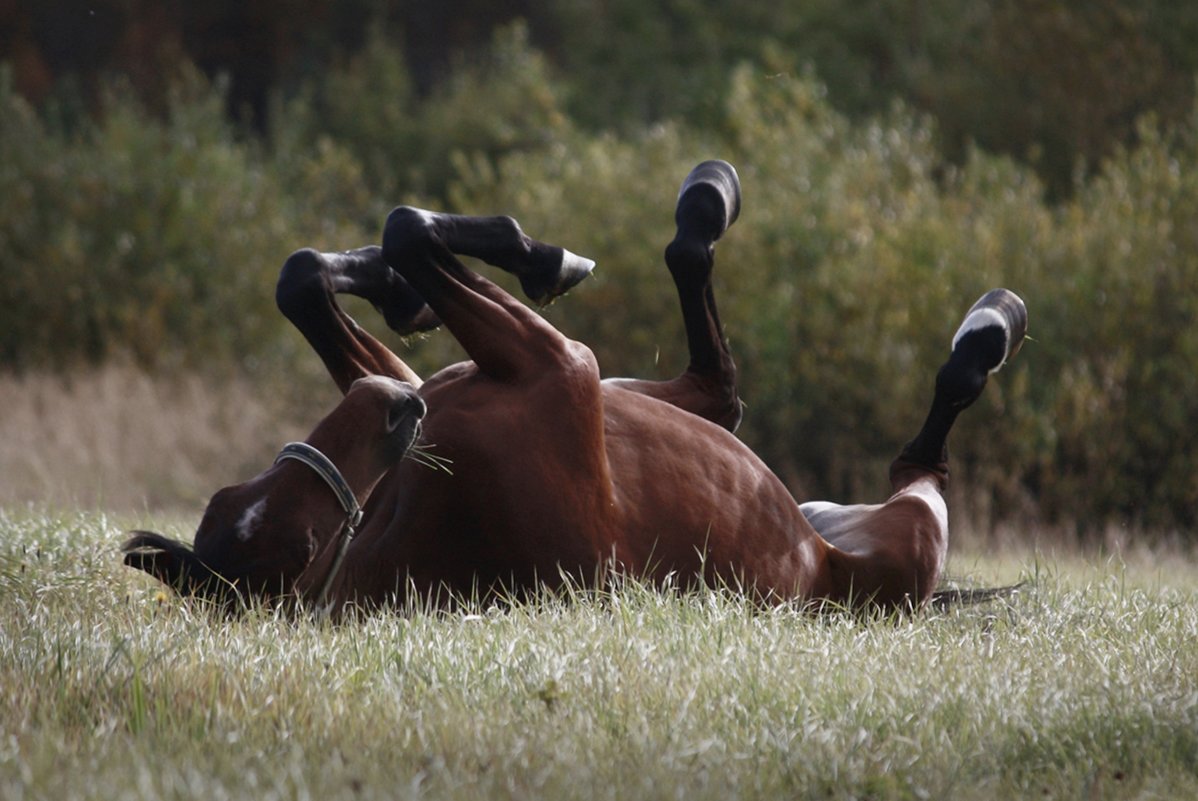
[(558, 270), (992, 332), (404, 311), (994, 328), (709, 200)]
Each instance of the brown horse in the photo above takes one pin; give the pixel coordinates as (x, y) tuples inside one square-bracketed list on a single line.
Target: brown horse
[(551, 472)]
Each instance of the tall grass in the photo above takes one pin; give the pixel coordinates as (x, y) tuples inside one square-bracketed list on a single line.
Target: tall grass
[(1083, 686), (119, 438)]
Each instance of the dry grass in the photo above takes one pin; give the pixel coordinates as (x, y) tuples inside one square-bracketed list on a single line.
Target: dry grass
[(1083, 686), (116, 438)]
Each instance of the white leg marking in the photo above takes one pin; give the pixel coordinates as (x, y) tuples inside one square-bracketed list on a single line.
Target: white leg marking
[(574, 265)]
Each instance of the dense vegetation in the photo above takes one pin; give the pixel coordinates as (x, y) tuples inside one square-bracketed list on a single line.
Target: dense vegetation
[(155, 228), (1058, 84)]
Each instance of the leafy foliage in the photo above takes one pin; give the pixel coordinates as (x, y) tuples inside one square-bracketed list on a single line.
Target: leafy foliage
[(133, 235), (859, 246)]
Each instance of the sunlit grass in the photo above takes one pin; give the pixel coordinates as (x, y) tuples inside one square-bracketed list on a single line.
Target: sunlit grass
[(1084, 685)]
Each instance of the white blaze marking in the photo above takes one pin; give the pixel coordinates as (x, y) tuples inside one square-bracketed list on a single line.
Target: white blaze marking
[(250, 520)]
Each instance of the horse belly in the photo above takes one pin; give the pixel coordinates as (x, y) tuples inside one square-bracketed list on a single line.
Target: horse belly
[(697, 503)]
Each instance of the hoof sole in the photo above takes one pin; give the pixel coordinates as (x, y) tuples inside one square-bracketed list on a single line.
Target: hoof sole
[(717, 183), (997, 310)]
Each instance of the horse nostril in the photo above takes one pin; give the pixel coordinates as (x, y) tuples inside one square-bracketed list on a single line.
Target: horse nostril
[(418, 406)]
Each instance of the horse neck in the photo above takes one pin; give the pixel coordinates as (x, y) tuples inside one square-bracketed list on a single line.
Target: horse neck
[(374, 570)]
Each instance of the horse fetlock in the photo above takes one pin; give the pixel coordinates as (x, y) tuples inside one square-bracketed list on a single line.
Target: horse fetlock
[(688, 257), (960, 381), (403, 309)]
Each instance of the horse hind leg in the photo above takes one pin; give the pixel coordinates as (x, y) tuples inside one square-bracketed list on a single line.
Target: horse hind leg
[(708, 204), (305, 294), (991, 333)]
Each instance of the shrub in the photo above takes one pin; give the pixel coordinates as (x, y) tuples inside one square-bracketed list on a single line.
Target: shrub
[(135, 235), (155, 238), (858, 249)]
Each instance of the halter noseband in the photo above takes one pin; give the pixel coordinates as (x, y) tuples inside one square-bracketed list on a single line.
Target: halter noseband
[(324, 467)]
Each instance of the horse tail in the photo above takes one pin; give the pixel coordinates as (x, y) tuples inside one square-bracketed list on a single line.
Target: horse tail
[(956, 596)]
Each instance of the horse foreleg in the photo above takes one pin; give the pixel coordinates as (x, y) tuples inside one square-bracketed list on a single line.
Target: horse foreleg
[(499, 333), (545, 271), (306, 293), (708, 203)]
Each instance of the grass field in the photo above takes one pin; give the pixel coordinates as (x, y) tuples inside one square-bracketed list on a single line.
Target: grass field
[(1083, 686)]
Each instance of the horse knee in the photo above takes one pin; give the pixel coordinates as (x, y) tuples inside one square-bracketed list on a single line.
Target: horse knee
[(407, 229), (300, 280)]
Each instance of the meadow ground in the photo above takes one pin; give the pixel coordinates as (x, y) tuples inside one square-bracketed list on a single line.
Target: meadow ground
[(1084, 685)]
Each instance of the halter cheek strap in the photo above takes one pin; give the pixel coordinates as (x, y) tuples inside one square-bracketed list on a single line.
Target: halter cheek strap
[(324, 467)]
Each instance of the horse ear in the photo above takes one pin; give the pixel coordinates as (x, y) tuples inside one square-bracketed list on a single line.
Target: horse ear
[(169, 561)]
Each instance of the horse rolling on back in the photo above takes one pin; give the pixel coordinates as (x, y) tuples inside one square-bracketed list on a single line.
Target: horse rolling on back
[(554, 473)]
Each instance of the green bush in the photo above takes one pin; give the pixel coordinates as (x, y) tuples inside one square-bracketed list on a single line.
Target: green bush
[(1057, 85), (134, 236), (858, 249), (501, 101), (158, 239), (1121, 338)]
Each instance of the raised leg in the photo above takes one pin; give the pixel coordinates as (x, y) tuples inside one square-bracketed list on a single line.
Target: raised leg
[(894, 552), (306, 293), (503, 336), (708, 203), (991, 333)]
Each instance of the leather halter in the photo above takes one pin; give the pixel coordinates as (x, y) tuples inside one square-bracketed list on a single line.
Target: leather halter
[(324, 467)]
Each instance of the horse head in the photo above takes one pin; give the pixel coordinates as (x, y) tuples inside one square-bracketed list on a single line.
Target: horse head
[(257, 539)]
